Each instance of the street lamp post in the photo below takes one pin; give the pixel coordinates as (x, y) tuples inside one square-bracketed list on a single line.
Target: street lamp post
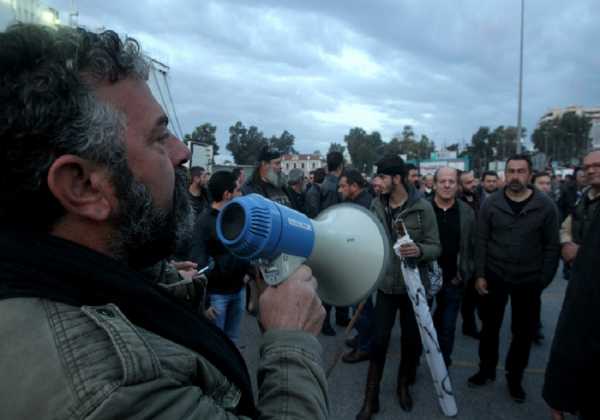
[(520, 80)]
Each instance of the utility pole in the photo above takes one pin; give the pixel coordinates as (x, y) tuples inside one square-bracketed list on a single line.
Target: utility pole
[(520, 80)]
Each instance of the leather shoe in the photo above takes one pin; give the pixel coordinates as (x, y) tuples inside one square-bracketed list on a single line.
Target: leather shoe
[(355, 356), (480, 379), (352, 342)]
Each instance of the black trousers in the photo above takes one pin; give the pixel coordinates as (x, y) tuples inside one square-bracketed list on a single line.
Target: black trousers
[(342, 313), (386, 307), (524, 300), (469, 305)]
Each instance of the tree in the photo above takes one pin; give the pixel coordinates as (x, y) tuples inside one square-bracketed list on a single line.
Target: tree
[(504, 141), (425, 147), (393, 147), (336, 147), (363, 148), (564, 138), (245, 144), (284, 144), (480, 151), (453, 147), (205, 134)]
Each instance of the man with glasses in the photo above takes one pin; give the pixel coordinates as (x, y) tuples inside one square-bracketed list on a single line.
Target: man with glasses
[(576, 225)]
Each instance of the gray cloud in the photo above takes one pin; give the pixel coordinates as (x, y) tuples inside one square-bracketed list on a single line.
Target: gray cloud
[(318, 68)]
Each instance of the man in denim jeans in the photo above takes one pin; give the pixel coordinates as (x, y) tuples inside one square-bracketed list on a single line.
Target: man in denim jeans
[(226, 292), (455, 223)]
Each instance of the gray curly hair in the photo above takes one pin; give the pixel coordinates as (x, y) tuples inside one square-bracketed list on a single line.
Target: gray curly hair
[(48, 109)]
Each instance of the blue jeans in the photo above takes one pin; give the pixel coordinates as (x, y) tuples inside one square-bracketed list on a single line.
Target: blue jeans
[(364, 325), (444, 318), (230, 308)]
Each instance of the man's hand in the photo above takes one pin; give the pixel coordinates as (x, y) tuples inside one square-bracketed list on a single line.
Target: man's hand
[(293, 304), (410, 250), (481, 286), (211, 313), (557, 415), (569, 251), (184, 265)]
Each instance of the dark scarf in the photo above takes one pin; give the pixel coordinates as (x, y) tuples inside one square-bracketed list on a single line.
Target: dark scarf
[(44, 266)]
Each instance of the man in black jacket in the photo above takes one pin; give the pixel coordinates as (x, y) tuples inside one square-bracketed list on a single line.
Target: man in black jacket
[(295, 190), (329, 196), (353, 189), (456, 226), (516, 255), (472, 197), (226, 291)]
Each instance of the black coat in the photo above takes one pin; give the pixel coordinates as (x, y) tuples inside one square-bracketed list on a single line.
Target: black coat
[(228, 275), (363, 199), (574, 367), (519, 248)]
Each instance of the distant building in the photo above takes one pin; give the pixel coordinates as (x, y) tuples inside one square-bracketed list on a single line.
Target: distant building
[(27, 11), (202, 155), (306, 163), (592, 113)]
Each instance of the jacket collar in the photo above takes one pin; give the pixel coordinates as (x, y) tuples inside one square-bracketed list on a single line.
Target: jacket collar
[(500, 200), (39, 265)]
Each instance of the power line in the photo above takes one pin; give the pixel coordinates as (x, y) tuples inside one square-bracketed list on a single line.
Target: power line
[(162, 98), (173, 105)]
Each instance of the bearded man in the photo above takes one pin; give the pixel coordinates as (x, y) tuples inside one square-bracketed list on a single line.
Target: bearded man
[(93, 192)]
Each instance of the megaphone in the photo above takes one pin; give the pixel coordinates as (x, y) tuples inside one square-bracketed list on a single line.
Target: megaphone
[(345, 246)]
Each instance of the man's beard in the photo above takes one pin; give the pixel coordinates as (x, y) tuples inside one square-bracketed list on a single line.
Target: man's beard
[(516, 186), (146, 234), (275, 178)]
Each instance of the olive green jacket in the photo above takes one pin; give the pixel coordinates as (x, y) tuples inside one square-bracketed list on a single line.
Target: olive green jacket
[(421, 223), (66, 362)]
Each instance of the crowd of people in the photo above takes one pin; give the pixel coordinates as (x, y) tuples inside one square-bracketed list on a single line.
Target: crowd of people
[(119, 301)]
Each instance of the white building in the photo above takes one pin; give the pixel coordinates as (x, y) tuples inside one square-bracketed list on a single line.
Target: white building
[(592, 113), (26, 11), (306, 163)]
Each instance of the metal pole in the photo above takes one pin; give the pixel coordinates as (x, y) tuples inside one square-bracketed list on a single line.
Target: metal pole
[(520, 79)]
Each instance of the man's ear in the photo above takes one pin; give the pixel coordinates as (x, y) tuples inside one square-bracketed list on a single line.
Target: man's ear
[(82, 187)]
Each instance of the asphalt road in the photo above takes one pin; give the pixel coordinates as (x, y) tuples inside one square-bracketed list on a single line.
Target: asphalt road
[(492, 402)]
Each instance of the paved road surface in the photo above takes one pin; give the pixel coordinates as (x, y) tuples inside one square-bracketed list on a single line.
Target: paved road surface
[(346, 383)]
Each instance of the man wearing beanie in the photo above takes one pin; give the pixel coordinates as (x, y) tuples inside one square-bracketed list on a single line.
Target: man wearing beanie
[(399, 201), (267, 179)]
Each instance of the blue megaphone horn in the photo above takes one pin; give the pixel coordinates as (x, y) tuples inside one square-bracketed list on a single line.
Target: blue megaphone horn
[(345, 246)]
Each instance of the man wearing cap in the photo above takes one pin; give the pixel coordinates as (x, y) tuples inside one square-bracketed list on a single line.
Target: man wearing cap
[(295, 190), (399, 202), (267, 178)]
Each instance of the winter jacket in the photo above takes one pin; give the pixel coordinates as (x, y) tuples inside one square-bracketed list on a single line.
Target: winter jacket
[(466, 253), (329, 192), (363, 199), (313, 200), (267, 190), (577, 224), (228, 274), (421, 223), (519, 248), (83, 336)]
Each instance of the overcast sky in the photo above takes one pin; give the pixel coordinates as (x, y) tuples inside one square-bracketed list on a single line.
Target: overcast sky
[(318, 68)]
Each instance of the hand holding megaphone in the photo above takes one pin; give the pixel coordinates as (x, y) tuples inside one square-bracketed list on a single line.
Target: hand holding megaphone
[(345, 246)]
